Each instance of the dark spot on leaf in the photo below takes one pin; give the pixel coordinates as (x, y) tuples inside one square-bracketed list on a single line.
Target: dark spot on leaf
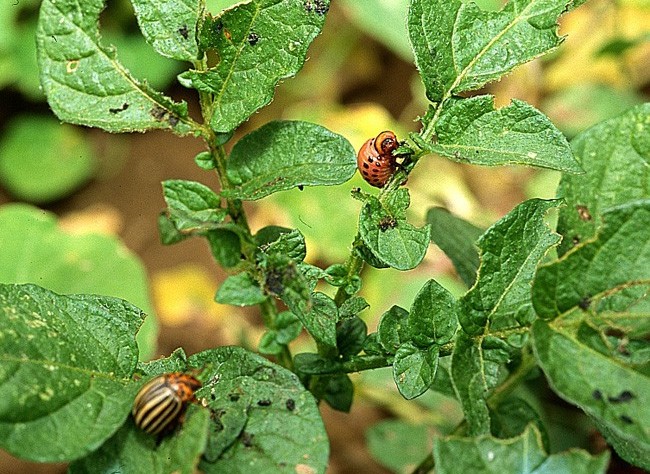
[(173, 120), (597, 394), (583, 212), (233, 397), (246, 439), (291, 404), (264, 403), (318, 6), (273, 282), (386, 223), (242, 256), (623, 397), (213, 396), (253, 38), (54, 38), (184, 32), (614, 332), (575, 240), (627, 419), (117, 110), (301, 187), (584, 303), (218, 26), (158, 112)]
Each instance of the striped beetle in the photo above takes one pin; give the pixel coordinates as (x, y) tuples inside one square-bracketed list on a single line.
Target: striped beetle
[(161, 402)]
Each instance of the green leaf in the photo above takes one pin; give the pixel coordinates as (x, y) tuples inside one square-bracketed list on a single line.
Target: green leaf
[(393, 329), (523, 453), (285, 155), (350, 336), (432, 319), (352, 306), (269, 234), (511, 417), (264, 421), (34, 249), (320, 320), (392, 240), (168, 232), (615, 155), (258, 43), (510, 252), (414, 369), (205, 160), (192, 206), (170, 27), (473, 131), (476, 368), (469, 385), (459, 47), (290, 244), (240, 290), (86, 85), (398, 445), (42, 160), (457, 238), (338, 391), (286, 328), (143, 454), (617, 259), (612, 393), (65, 369), (225, 246)]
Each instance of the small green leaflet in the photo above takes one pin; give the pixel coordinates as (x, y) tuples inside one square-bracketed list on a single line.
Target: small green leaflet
[(615, 155), (287, 154), (170, 26), (615, 261), (457, 238), (389, 237), (258, 43), (510, 251), (473, 131), (71, 384), (523, 453), (614, 394), (84, 82), (459, 47)]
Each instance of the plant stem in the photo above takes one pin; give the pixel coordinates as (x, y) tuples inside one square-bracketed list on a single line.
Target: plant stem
[(354, 265)]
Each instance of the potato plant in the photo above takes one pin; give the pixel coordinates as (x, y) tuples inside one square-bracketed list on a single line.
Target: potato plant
[(567, 301)]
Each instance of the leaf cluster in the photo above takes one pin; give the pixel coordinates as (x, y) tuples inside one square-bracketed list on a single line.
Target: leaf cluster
[(571, 301)]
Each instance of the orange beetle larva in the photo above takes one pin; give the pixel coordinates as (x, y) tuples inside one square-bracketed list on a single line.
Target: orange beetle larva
[(375, 159)]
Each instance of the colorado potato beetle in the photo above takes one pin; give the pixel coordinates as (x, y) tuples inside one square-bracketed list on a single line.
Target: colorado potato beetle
[(161, 402), (375, 159)]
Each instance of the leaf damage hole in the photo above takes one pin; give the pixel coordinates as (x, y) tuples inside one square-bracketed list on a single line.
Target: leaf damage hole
[(290, 404), (320, 7), (71, 66), (253, 38), (623, 397), (583, 212), (160, 114), (117, 110), (247, 439), (386, 223), (184, 32)]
